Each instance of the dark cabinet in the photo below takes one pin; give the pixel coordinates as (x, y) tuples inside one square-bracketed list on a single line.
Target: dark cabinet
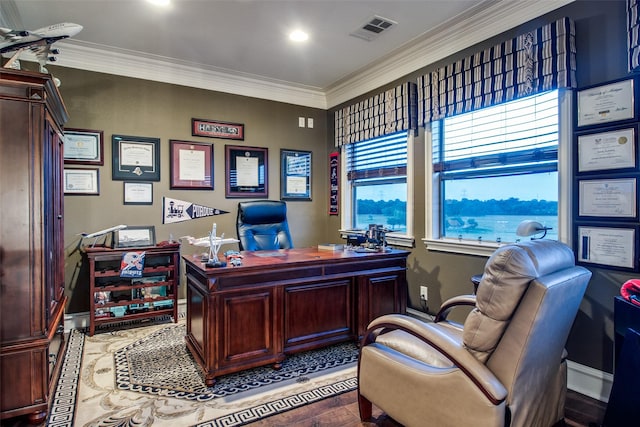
[(32, 301)]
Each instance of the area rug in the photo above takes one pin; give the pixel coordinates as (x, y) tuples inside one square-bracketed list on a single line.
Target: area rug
[(145, 376)]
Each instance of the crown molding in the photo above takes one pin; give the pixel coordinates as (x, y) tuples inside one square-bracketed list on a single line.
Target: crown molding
[(490, 19)]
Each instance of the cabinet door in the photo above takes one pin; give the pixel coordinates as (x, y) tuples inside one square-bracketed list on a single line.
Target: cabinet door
[(245, 324), (380, 295)]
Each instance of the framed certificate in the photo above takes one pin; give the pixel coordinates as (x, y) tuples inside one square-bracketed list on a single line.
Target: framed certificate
[(81, 181), (607, 198), (609, 150), (613, 247), (83, 147), (135, 158), (247, 171), (295, 175), (138, 193), (191, 165), (606, 103)]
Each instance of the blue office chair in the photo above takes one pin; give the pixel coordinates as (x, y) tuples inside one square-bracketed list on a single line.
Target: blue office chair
[(262, 225)]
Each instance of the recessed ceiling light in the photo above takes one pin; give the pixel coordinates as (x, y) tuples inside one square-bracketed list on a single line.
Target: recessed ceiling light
[(160, 2), (298, 36)]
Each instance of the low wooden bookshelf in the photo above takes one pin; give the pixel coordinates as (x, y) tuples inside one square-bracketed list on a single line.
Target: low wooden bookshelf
[(115, 299)]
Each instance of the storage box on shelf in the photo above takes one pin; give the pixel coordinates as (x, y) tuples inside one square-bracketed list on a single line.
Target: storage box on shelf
[(117, 299)]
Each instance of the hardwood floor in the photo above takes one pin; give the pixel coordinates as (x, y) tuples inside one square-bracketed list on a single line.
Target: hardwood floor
[(342, 410)]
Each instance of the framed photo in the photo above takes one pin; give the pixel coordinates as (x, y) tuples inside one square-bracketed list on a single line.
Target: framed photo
[(613, 247), (295, 175), (247, 171), (608, 198), (83, 147), (217, 129), (81, 181), (606, 103), (135, 158), (138, 193), (191, 165), (612, 149), (135, 236)]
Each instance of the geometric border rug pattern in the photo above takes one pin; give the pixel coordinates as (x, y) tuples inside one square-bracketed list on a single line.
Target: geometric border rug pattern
[(87, 394), (161, 364)]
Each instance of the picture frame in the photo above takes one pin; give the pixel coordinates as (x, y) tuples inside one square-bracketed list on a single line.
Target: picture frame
[(606, 103), (608, 198), (608, 149), (191, 165), (83, 147), (295, 175), (217, 129), (608, 246), (135, 236), (77, 181), (135, 158), (137, 193), (247, 172)]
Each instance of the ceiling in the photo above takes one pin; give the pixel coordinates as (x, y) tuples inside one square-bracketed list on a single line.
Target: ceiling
[(242, 47)]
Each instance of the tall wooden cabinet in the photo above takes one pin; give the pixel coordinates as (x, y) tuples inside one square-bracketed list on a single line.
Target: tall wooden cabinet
[(32, 301)]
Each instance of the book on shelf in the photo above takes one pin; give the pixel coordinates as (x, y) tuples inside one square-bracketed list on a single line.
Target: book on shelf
[(331, 246)]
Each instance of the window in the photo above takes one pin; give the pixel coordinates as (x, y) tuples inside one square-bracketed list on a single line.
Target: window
[(493, 168), (376, 185)]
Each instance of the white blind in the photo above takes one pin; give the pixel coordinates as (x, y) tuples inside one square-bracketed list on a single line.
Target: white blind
[(500, 140), (379, 157)]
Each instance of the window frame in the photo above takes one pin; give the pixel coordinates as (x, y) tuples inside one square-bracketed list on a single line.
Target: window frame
[(346, 202), (434, 242)]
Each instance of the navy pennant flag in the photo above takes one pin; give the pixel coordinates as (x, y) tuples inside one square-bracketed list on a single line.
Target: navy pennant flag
[(174, 210)]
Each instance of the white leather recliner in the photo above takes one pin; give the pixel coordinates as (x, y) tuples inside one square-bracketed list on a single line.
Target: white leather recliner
[(506, 366)]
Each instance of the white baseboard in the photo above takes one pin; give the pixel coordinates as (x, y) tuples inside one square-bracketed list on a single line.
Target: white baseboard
[(589, 381), (81, 320)]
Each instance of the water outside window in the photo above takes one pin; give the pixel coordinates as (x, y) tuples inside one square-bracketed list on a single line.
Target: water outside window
[(382, 203)]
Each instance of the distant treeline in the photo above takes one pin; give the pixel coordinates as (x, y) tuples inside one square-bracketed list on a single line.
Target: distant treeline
[(464, 207), (512, 206)]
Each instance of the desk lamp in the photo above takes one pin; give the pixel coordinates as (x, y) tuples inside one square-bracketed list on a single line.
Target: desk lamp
[(530, 228)]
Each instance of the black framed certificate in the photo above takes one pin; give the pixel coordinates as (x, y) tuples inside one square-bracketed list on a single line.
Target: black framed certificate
[(611, 102)]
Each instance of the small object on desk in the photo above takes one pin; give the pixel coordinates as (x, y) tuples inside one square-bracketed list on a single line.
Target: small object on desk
[(331, 247)]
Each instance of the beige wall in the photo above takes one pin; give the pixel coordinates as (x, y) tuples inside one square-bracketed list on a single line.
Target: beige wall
[(119, 105)]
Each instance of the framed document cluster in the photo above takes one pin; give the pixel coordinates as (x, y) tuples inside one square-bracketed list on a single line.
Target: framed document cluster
[(606, 175), (82, 147)]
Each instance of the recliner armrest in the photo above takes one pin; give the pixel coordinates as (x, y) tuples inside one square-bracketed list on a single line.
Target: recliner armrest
[(475, 370), (451, 303)]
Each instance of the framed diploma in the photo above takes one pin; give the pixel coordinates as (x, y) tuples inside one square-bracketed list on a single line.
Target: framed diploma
[(610, 150), (135, 158), (606, 103), (81, 181), (83, 147), (295, 175), (612, 247), (191, 165), (138, 193), (607, 198), (247, 171)]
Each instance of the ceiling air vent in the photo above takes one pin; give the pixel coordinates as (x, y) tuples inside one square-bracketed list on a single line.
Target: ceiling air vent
[(373, 28)]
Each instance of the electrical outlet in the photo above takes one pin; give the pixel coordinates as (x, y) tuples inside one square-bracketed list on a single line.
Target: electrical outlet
[(424, 293)]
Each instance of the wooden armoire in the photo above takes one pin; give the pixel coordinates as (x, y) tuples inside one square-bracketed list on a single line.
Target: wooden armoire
[(32, 300)]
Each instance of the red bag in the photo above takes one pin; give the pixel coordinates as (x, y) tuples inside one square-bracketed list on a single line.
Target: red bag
[(630, 291)]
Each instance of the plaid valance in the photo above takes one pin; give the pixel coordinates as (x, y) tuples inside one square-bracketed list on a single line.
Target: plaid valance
[(383, 114), (633, 35), (533, 62)]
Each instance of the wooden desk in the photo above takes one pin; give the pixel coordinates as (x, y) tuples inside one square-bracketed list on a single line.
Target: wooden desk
[(286, 301)]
